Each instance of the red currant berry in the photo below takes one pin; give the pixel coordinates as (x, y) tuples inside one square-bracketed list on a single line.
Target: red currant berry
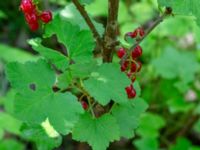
[(132, 94), (133, 67), (130, 91), (31, 18), (139, 66), (34, 26), (137, 52), (84, 105), (134, 33), (27, 6), (131, 34), (46, 16), (141, 32), (124, 66), (121, 52)]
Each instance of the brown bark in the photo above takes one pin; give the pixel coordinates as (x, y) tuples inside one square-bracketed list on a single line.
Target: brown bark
[(111, 31)]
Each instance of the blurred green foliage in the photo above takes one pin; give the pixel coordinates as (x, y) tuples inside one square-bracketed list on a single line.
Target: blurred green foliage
[(170, 77)]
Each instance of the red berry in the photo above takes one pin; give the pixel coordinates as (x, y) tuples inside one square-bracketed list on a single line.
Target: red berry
[(84, 105), (124, 66), (137, 52), (121, 52), (134, 33), (31, 18), (132, 94), (131, 34), (133, 67), (141, 32), (27, 6), (34, 26), (139, 66), (130, 91), (46, 16)]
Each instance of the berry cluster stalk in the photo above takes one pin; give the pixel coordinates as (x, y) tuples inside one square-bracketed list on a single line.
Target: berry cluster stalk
[(147, 32)]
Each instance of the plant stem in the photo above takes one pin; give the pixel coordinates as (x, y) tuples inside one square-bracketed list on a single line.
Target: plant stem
[(89, 22), (85, 93), (91, 108), (111, 31), (147, 32), (188, 125)]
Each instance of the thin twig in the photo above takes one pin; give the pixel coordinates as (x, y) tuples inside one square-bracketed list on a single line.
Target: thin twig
[(89, 22), (188, 125), (111, 31), (147, 32), (91, 107)]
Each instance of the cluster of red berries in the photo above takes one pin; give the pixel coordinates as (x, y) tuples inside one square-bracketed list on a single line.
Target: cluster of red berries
[(33, 15), (137, 34), (131, 66)]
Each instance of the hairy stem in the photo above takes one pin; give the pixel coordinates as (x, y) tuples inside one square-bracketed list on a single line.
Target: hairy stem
[(111, 31)]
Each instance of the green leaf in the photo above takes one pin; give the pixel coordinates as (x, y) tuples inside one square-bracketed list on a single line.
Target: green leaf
[(197, 127), (38, 74), (147, 144), (36, 104), (75, 71), (86, 1), (194, 148), (55, 57), (72, 15), (94, 8), (37, 134), (9, 101), (11, 54), (64, 80), (60, 2), (9, 124), (83, 70), (108, 83), (2, 15), (175, 101), (179, 105), (136, 86), (1, 134), (97, 132), (128, 116), (181, 144), (10, 144), (182, 65), (150, 125), (79, 43), (123, 16), (62, 110), (183, 7)]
